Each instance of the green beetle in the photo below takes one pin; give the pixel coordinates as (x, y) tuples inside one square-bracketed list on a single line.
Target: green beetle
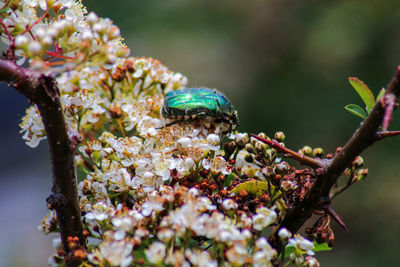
[(199, 104)]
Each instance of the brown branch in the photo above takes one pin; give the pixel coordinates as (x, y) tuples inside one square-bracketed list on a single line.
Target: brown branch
[(382, 135), (42, 90), (363, 137), (301, 158)]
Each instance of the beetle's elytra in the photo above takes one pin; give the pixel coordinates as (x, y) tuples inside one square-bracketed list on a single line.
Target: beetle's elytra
[(199, 103)]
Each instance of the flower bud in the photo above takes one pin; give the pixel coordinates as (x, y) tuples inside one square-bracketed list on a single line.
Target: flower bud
[(35, 47), (229, 204), (279, 136), (284, 234), (306, 150), (122, 51), (229, 148), (113, 33), (282, 168), (268, 172), (318, 152), (358, 162), (260, 146), (250, 148), (361, 174), (241, 139), (263, 135), (92, 18), (21, 41), (311, 262), (270, 152)]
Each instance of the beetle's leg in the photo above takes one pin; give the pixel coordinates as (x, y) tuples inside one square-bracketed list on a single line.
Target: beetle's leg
[(182, 120)]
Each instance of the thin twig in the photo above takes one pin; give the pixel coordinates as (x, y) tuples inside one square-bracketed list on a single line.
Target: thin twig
[(301, 158), (382, 135), (36, 22), (6, 30)]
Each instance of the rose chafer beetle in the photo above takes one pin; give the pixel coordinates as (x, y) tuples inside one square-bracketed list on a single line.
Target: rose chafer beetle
[(200, 104)]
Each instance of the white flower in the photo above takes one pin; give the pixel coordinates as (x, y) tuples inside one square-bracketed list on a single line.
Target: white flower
[(263, 218), (189, 162), (100, 212), (20, 41), (200, 258), (301, 243), (156, 252), (56, 243), (92, 17), (32, 127), (67, 3), (34, 3), (118, 253), (241, 138), (185, 142), (34, 47), (152, 204), (213, 139), (237, 254), (229, 204), (311, 262), (165, 235), (206, 164), (284, 234), (123, 223), (161, 168), (119, 235), (264, 254)]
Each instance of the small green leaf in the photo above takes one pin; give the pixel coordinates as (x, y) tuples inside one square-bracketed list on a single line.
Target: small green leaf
[(229, 179), (381, 93), (289, 249), (356, 110), (254, 187), (321, 247), (364, 92)]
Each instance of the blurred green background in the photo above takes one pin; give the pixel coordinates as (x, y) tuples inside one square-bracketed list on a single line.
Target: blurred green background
[(284, 65)]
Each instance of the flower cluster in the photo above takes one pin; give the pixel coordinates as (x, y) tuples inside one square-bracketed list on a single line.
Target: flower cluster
[(151, 192), (58, 33)]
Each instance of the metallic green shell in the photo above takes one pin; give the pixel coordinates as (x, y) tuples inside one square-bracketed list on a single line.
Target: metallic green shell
[(196, 103)]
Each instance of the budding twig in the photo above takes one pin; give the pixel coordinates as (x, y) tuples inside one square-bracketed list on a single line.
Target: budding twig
[(301, 158), (326, 179)]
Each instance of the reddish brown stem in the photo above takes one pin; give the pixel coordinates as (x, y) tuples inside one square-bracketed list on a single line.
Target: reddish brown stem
[(382, 135), (389, 102), (301, 158), (36, 22), (53, 54), (42, 90), (6, 30)]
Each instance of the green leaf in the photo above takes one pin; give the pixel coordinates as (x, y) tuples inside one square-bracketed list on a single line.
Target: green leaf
[(321, 247), (381, 93), (356, 110), (288, 250), (364, 92), (229, 179), (254, 187)]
